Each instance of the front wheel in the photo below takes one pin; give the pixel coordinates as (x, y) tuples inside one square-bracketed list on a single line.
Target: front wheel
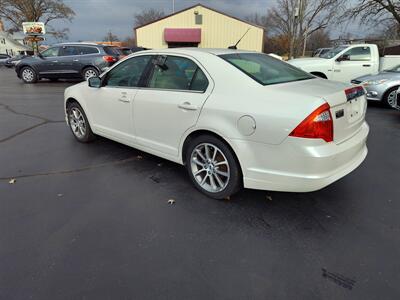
[(213, 167), (79, 123), (390, 97), (90, 72), (29, 75)]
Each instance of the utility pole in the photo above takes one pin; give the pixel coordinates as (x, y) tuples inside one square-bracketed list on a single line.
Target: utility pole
[(295, 16), (173, 6), (305, 42)]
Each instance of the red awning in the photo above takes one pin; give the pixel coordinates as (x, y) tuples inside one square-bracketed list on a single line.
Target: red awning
[(182, 35)]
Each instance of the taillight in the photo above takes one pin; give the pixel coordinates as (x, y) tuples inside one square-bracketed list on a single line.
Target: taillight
[(318, 125), (354, 92), (109, 58)]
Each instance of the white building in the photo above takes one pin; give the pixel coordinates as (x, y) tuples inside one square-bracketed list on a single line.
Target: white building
[(12, 44)]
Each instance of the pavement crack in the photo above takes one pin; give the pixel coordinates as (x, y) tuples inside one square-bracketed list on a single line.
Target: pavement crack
[(71, 171), (44, 121), (27, 129)]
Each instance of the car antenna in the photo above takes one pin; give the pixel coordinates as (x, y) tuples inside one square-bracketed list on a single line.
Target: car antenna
[(235, 46)]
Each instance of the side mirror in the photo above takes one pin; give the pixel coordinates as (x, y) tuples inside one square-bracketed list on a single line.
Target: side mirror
[(94, 82), (344, 57)]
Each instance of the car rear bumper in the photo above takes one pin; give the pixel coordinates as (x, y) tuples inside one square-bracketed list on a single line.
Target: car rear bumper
[(301, 165)]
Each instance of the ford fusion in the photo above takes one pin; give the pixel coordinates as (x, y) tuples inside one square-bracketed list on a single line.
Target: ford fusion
[(233, 118)]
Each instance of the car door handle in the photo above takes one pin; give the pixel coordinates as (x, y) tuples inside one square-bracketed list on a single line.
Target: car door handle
[(366, 65), (55, 61), (76, 60), (188, 106), (125, 100)]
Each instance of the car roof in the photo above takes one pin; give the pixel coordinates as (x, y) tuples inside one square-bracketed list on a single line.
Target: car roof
[(194, 51), (81, 44)]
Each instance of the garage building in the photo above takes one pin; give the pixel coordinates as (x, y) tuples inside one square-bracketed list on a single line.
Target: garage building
[(200, 26)]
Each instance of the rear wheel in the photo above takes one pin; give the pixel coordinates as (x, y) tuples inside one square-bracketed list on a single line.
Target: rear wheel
[(79, 123), (90, 72), (213, 167), (390, 97), (29, 75)]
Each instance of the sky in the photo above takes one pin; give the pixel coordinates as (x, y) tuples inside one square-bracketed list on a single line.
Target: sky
[(94, 18)]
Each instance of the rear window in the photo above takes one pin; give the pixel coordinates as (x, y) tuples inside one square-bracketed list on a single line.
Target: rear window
[(83, 50), (265, 69), (112, 50)]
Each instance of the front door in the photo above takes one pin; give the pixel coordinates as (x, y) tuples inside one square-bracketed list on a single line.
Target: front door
[(49, 59), (111, 105), (357, 62), (176, 91)]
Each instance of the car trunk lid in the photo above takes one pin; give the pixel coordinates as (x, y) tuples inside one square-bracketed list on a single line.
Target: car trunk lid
[(348, 104)]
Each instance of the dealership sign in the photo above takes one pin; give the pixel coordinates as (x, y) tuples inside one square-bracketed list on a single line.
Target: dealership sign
[(34, 28)]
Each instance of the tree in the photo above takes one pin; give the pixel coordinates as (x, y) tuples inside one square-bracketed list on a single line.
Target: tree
[(110, 37), (296, 20), (374, 12), (147, 16), (18, 11), (318, 39)]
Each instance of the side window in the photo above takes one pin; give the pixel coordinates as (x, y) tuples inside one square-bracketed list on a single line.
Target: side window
[(82, 50), (199, 82), (51, 52), (176, 73), (68, 51), (359, 54), (127, 73)]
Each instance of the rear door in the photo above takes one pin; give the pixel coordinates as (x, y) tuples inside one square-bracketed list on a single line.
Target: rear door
[(358, 62), (176, 91), (66, 60)]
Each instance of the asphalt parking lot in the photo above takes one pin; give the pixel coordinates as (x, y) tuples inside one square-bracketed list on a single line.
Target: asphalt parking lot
[(93, 221)]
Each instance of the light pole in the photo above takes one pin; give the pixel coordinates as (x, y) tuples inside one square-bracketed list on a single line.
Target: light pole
[(173, 6)]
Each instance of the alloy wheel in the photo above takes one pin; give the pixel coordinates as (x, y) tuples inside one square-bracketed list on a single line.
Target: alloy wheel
[(210, 167), (77, 122), (392, 99), (28, 75), (89, 74)]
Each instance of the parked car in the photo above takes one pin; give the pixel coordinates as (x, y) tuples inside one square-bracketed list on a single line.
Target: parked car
[(382, 86), (125, 51), (13, 61), (3, 58), (320, 51), (233, 118), (347, 62), (68, 60)]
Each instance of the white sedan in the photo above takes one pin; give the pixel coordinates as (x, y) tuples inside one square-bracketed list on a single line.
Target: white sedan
[(233, 118)]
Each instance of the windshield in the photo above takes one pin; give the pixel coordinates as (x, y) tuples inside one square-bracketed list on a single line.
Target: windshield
[(333, 52), (265, 69)]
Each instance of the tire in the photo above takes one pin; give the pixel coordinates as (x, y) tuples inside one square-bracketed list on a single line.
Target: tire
[(79, 124), (89, 72), (215, 174), (28, 75), (388, 100)]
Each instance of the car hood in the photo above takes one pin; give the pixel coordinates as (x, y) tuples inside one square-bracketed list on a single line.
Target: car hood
[(379, 76)]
